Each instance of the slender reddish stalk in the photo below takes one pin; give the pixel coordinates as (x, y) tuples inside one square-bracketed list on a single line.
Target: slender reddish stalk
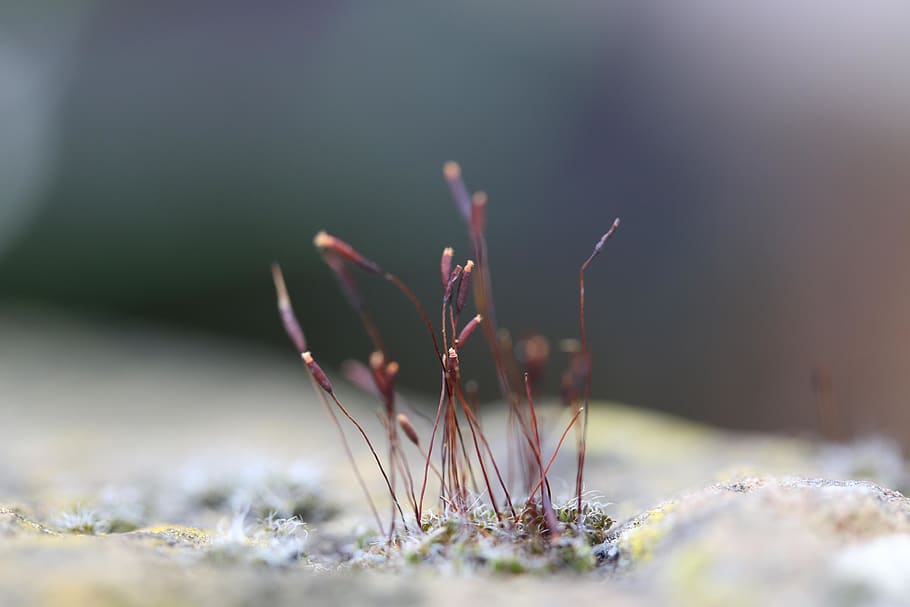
[(402, 465), (483, 468), (426, 468), (473, 211), (325, 241), (472, 419), (548, 512), (353, 296), (562, 438), (450, 455), (420, 310), (455, 387), (369, 443), (403, 468), (583, 444), (384, 375), (393, 454), (484, 302), (347, 449), (295, 333), (464, 451), (483, 293), (411, 433), (324, 382)]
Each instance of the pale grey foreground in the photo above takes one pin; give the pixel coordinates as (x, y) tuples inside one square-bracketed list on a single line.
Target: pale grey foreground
[(168, 453)]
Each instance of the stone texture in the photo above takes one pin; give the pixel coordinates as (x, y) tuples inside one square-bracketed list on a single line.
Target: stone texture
[(141, 477)]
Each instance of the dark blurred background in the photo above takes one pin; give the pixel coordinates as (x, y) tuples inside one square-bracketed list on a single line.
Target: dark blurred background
[(155, 157)]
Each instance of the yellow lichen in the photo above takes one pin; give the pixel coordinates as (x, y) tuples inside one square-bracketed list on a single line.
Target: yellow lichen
[(640, 540), (174, 534), (13, 519)]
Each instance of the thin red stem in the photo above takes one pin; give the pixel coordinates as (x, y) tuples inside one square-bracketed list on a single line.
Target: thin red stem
[(347, 447), (420, 309), (483, 469), (562, 438), (372, 450), (472, 419), (583, 443), (426, 468)]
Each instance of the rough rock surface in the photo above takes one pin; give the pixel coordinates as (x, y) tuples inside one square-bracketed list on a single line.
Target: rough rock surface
[(765, 541), (141, 477)]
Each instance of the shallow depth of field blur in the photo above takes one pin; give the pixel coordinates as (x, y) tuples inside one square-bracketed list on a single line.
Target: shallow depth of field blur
[(156, 157)]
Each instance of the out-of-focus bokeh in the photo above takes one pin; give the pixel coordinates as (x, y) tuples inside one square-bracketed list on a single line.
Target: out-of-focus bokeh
[(156, 157)]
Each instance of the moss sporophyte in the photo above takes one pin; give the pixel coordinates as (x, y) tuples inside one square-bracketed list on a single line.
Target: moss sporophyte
[(480, 514)]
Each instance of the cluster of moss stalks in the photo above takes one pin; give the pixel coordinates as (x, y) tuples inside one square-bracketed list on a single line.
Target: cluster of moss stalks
[(501, 531)]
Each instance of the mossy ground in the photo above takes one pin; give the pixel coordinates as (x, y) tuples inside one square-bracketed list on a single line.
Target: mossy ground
[(732, 541), (104, 506), (477, 540)]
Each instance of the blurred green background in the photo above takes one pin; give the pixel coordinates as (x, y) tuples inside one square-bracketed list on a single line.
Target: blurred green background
[(155, 157)]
